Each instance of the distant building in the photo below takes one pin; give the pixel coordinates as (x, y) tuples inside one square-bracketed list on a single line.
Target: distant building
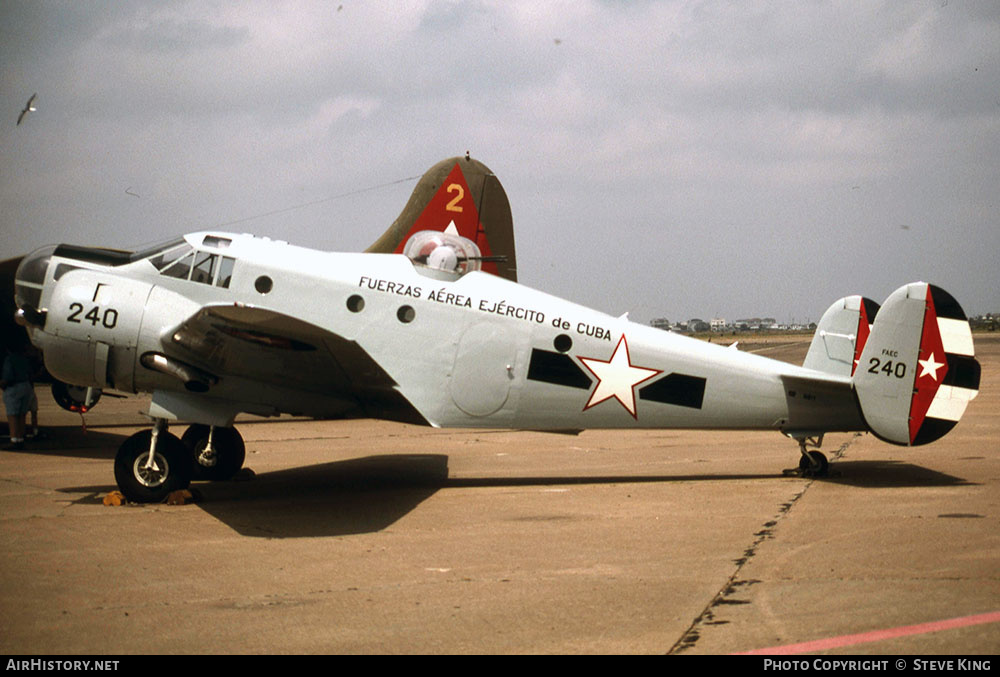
[(987, 322), (760, 324)]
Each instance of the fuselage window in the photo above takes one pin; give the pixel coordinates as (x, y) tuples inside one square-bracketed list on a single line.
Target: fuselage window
[(263, 284)]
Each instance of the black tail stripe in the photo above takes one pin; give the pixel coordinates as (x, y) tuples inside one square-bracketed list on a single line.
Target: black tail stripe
[(945, 304), (871, 308), (963, 372), (932, 429)]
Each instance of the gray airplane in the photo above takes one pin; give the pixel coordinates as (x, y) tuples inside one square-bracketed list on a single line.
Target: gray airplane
[(430, 327)]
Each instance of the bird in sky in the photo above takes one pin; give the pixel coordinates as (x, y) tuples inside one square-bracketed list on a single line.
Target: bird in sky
[(28, 108)]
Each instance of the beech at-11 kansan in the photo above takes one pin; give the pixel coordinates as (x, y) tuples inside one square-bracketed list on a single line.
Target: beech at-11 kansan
[(430, 327)]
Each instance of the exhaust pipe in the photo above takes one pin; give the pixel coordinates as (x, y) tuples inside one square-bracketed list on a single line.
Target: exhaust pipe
[(194, 379)]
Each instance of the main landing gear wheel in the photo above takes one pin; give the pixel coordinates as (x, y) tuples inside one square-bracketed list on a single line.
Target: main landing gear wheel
[(145, 480), (219, 461), (813, 464)]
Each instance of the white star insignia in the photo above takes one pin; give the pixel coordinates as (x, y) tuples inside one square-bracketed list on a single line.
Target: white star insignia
[(617, 378), (929, 367)]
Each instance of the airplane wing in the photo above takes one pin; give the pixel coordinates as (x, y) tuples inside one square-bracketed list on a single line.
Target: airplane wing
[(280, 351)]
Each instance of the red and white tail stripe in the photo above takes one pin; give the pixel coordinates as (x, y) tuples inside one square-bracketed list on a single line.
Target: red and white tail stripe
[(947, 377), (917, 371), (867, 311)]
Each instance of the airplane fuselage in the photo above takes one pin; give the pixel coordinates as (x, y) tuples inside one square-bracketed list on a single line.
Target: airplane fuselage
[(295, 330)]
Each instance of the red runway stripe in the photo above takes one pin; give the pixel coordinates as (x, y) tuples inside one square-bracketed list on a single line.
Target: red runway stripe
[(877, 635)]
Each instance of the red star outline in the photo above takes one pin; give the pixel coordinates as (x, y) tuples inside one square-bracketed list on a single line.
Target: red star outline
[(624, 372)]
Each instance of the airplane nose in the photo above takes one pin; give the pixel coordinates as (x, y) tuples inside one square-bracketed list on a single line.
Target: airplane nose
[(30, 278)]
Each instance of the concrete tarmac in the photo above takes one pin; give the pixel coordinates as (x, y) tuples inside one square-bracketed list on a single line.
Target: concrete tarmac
[(374, 537)]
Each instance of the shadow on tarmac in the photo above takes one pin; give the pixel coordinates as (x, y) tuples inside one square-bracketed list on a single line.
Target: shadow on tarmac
[(73, 442), (368, 494), (882, 474)]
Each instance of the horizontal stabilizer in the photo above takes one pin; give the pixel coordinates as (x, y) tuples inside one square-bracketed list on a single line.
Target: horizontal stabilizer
[(918, 369)]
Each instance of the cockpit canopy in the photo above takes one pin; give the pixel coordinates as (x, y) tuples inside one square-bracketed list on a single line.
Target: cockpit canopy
[(446, 252), (179, 259)]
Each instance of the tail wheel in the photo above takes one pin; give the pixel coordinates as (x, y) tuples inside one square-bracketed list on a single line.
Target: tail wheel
[(145, 480), (814, 463), (223, 460)]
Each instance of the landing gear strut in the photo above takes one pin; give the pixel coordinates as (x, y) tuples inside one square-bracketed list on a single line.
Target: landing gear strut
[(151, 464), (218, 452)]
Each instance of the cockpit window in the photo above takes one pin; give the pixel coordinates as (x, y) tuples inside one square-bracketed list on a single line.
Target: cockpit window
[(149, 250), (180, 269), (225, 272), (198, 266), (168, 257), (62, 269), (204, 267), (180, 260)]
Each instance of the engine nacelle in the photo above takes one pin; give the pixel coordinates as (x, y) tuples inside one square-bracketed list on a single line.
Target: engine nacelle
[(92, 327)]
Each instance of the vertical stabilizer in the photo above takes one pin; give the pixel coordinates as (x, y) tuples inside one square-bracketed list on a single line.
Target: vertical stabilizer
[(463, 196), (841, 336), (918, 369)]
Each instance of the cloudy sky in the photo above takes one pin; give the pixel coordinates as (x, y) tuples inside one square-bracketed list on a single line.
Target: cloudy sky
[(678, 159)]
